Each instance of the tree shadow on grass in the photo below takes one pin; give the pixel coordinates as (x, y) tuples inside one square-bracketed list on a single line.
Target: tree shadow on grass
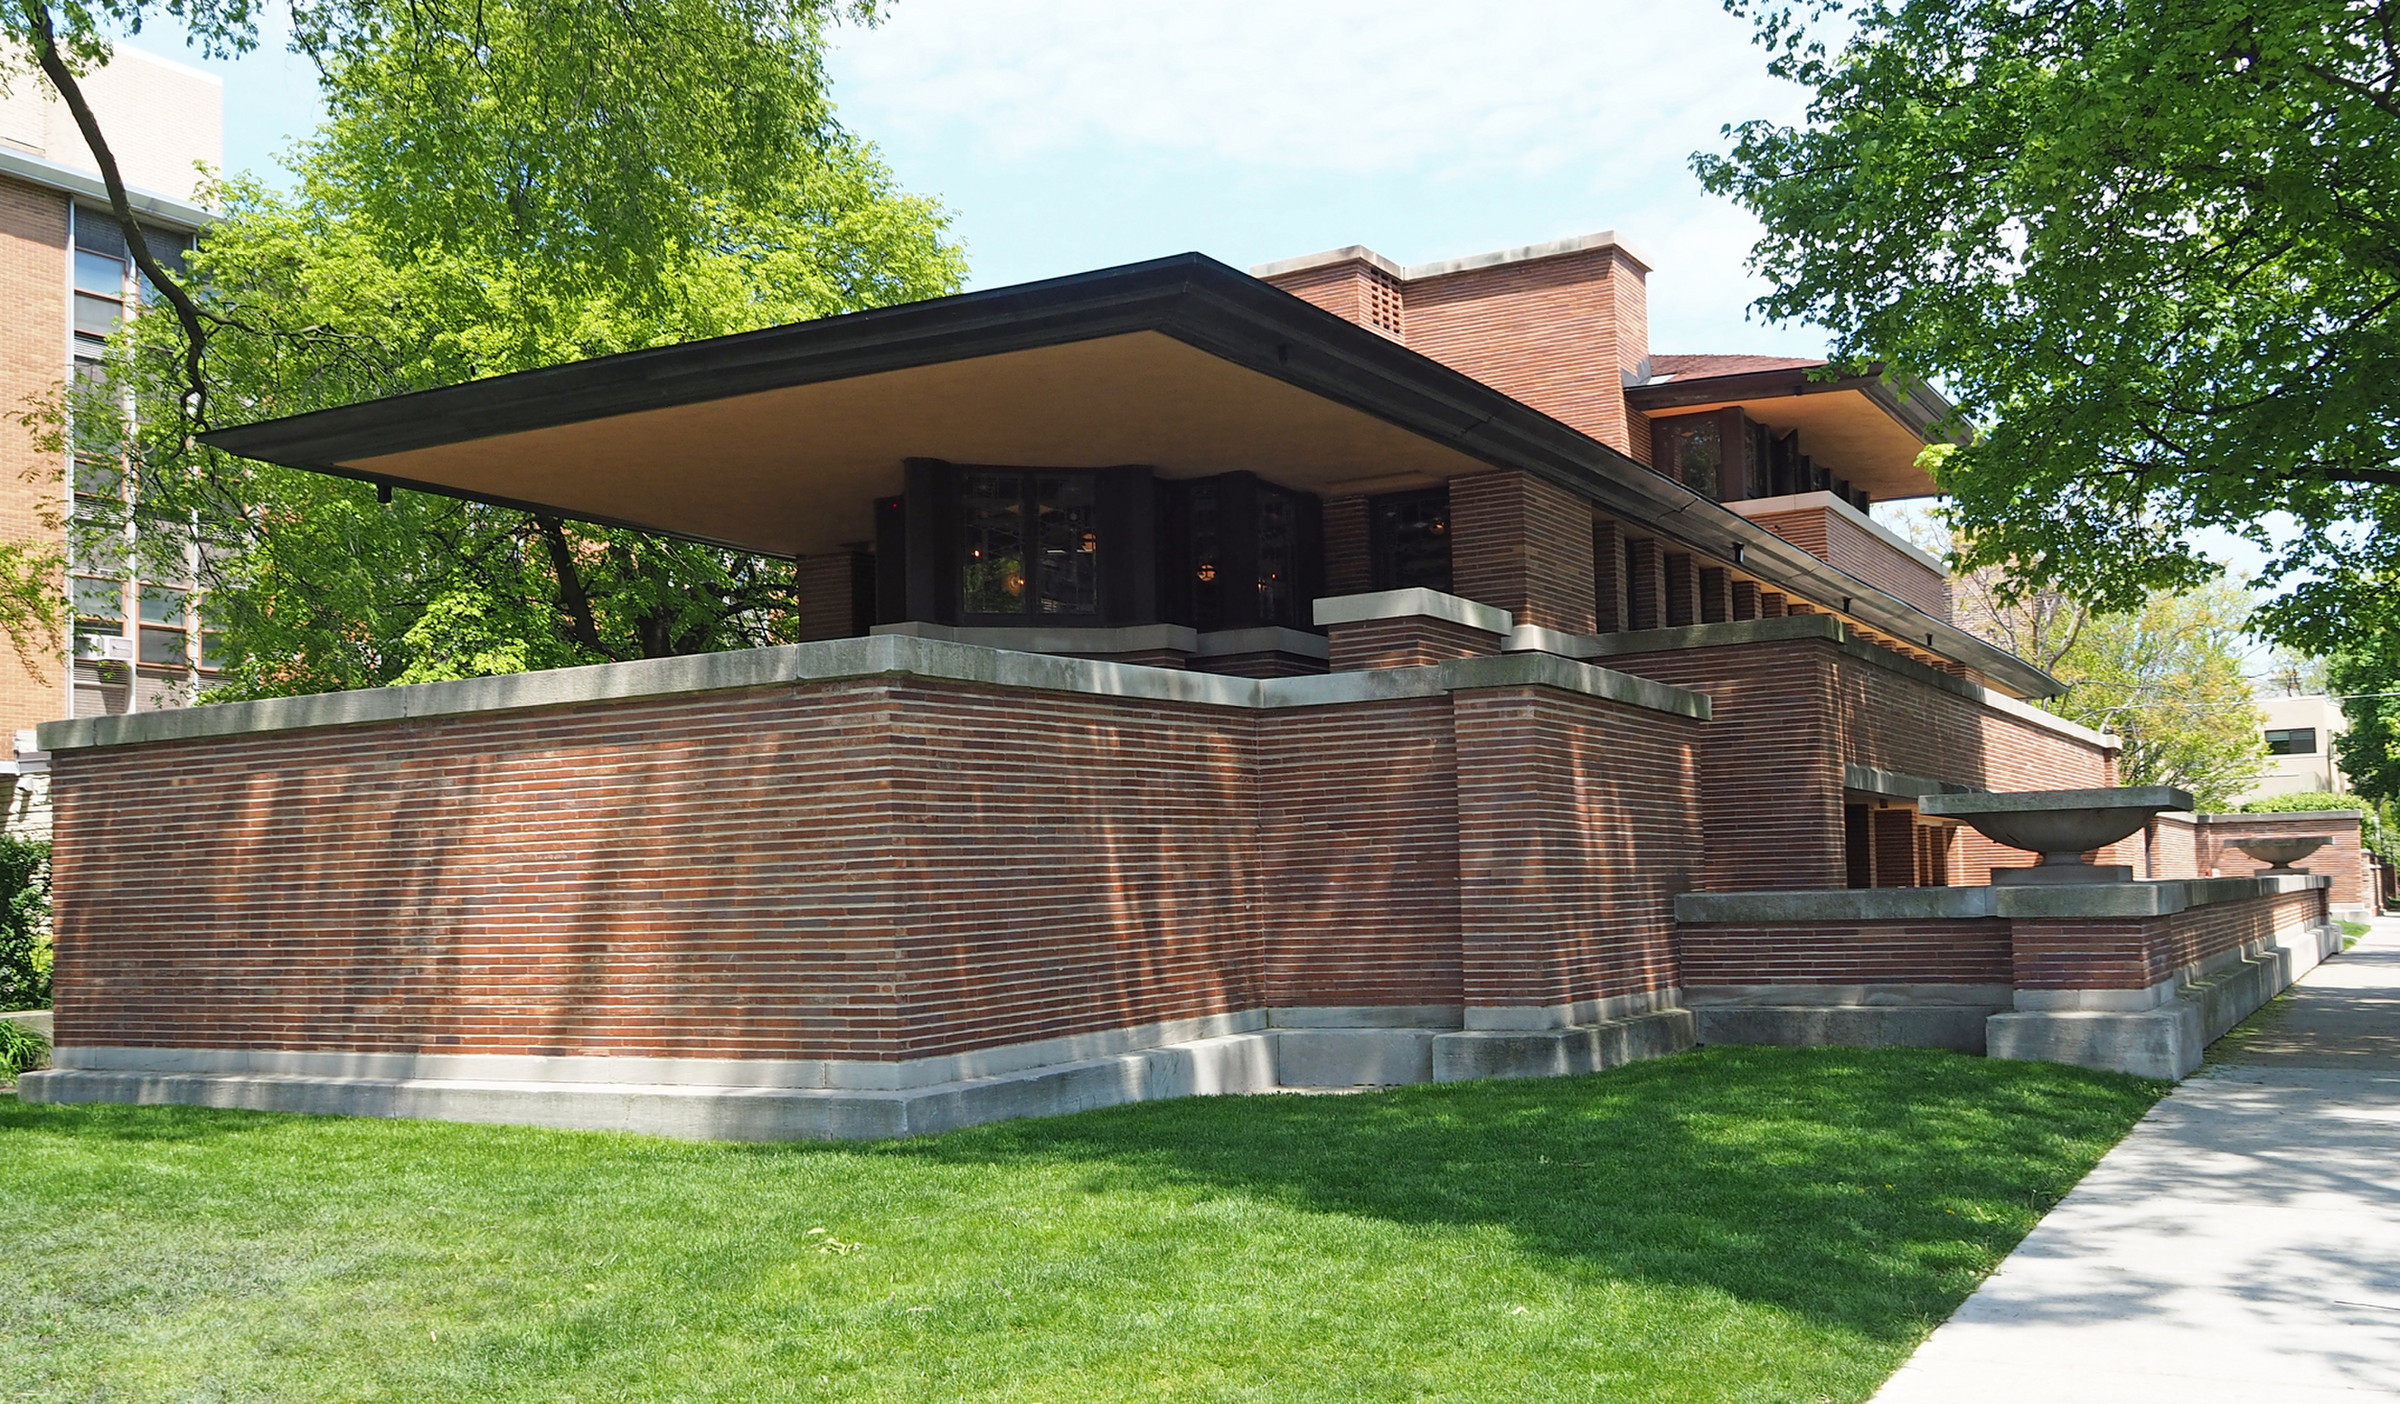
[(1865, 1189)]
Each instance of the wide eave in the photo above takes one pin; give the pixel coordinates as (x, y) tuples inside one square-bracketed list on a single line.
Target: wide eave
[(779, 441)]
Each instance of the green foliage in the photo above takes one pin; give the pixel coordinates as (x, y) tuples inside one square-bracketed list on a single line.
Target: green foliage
[(21, 1049), (2145, 245), (25, 956), (2365, 674), (2168, 679), (498, 186), (1740, 1223), (2301, 802)]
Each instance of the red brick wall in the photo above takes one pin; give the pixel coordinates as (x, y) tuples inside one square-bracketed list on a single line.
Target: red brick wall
[(1825, 533), (33, 362), (2136, 953), (1411, 642), (1789, 714), (2344, 860), (2174, 849), (1525, 546), (1551, 332), (1358, 843), (828, 595), (1066, 863), (1578, 824), (1354, 290), (1972, 952), (868, 869), (1771, 772)]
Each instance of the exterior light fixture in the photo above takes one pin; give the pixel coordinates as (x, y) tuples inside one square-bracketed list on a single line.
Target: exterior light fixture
[(1737, 553)]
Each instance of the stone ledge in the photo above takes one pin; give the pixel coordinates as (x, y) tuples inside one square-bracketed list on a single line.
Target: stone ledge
[(1413, 603), (837, 660), (2071, 902)]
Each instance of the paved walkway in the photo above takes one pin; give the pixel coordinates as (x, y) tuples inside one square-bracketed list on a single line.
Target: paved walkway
[(2242, 1244)]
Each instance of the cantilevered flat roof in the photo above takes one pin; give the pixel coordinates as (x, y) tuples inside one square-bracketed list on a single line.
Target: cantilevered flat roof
[(1865, 428), (778, 441)]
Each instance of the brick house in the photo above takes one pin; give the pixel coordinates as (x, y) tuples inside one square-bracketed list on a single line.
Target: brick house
[(1345, 673)]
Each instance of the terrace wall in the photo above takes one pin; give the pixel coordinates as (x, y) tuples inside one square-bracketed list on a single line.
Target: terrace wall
[(878, 867)]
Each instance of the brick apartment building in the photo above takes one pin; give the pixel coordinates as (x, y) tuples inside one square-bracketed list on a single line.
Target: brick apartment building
[(1344, 673), (66, 280)]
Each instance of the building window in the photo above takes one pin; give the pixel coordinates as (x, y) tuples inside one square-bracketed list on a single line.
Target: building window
[(1029, 545), (1695, 455), (1411, 538), (2297, 741)]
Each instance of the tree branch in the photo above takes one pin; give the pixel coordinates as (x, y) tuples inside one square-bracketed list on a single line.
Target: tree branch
[(573, 601), (195, 330)]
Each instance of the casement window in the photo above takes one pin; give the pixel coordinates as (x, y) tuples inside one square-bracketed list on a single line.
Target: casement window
[(2294, 741), (1237, 553), (1029, 546), (1409, 533)]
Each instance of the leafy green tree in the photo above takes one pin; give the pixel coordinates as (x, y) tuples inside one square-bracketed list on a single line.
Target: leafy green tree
[(2366, 676), (497, 186), (2167, 679), (2147, 246), (24, 923)]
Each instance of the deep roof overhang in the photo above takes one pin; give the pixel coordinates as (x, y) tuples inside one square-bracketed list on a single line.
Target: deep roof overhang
[(777, 441), (1869, 429)]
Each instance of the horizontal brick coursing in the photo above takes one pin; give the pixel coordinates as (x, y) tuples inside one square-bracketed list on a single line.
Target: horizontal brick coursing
[(1577, 826), (1970, 952), (1525, 546), (2137, 953), (873, 869), (1410, 642), (1829, 536)]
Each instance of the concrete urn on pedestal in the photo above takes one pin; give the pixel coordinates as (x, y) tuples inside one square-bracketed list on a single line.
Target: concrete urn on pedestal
[(2280, 853), (2060, 825)]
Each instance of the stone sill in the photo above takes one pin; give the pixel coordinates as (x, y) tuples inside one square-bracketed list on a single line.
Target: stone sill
[(880, 656), (2081, 901)]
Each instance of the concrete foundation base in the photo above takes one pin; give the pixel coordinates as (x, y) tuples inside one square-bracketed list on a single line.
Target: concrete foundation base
[(1472, 1054), (2161, 1032), (1267, 1051), (1956, 1027)]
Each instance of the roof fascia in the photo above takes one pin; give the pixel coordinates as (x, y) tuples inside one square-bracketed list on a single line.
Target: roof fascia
[(1190, 297)]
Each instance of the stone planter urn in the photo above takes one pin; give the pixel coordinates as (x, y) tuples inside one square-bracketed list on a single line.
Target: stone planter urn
[(2280, 853), (2061, 825)]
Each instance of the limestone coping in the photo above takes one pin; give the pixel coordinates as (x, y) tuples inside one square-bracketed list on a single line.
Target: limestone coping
[(1524, 253), (2066, 902), (884, 655), (1414, 603), (1734, 633)]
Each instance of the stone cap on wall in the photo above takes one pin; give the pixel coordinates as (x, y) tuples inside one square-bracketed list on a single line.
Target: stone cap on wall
[(2065, 902), (1416, 602), (885, 655)]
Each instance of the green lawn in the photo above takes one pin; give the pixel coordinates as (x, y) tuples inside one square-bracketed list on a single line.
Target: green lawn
[(1738, 1223)]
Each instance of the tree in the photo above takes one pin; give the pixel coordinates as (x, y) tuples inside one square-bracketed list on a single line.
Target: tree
[(2168, 680), (2148, 248), (497, 186), (2366, 676)]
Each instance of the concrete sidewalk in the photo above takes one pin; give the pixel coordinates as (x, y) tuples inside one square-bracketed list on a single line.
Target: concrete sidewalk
[(2242, 1244)]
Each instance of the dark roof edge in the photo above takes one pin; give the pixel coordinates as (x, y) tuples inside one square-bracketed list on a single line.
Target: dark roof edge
[(1913, 404), (1190, 297)]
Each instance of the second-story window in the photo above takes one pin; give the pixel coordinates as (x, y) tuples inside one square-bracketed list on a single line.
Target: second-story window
[(1411, 539), (2295, 741)]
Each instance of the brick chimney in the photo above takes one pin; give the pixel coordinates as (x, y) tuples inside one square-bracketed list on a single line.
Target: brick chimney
[(1556, 325)]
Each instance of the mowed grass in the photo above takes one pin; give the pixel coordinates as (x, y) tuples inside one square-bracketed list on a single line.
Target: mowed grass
[(1734, 1224)]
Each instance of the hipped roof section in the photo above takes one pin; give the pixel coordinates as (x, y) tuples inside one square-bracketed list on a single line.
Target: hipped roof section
[(777, 441)]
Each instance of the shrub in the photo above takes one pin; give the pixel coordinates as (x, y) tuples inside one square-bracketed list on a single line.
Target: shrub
[(24, 924), (21, 1049)]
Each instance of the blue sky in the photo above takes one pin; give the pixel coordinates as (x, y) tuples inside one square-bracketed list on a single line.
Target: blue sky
[(1074, 134)]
